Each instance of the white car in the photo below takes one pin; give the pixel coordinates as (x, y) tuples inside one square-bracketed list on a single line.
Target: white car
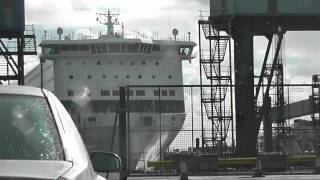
[(38, 140)]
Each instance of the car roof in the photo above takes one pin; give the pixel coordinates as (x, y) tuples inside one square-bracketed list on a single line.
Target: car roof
[(20, 90)]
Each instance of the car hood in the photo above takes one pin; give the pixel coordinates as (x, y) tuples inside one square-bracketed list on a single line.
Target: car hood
[(29, 169)]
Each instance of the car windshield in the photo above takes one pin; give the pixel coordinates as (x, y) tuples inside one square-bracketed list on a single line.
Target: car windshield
[(27, 129)]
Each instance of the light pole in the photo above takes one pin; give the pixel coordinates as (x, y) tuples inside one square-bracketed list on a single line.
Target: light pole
[(42, 60)]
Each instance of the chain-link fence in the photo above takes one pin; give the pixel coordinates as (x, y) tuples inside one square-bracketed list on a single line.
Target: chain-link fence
[(168, 122), (163, 119)]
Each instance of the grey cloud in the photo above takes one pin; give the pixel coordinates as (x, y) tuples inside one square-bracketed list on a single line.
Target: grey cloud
[(42, 14), (77, 5), (202, 2), (196, 4), (303, 68), (301, 55), (187, 6)]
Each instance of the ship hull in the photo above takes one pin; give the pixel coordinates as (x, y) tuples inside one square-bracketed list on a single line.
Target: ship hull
[(143, 142)]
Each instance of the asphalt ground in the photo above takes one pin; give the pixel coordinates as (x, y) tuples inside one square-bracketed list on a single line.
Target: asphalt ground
[(242, 177)]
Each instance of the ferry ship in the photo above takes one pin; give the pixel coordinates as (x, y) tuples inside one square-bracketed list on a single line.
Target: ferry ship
[(86, 74)]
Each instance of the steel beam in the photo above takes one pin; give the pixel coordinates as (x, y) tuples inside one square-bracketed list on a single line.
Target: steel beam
[(266, 102), (20, 44), (123, 133), (263, 69), (267, 126), (244, 90)]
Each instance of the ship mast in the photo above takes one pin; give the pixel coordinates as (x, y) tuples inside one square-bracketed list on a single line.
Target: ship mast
[(110, 20)]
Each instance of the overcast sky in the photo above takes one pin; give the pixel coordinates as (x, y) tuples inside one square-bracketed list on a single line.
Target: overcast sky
[(151, 17)]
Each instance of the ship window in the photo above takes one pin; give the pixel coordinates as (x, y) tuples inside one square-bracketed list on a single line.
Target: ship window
[(115, 93), (84, 47), (92, 121), (123, 47), (130, 93), (146, 47), (172, 93), (184, 51), (140, 93), (114, 47), (128, 76), (156, 47), (89, 76), (116, 76), (149, 49), (48, 50), (71, 77), (153, 76), (156, 92), (142, 46), (64, 47), (99, 48), (132, 63), (143, 63), (70, 93), (170, 76), (104, 48), (98, 63), (93, 48), (139, 76), (74, 47), (105, 93), (133, 48), (164, 93), (56, 49), (104, 76), (157, 63)]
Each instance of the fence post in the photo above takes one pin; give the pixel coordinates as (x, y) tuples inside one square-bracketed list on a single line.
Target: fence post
[(317, 159), (122, 133), (258, 172)]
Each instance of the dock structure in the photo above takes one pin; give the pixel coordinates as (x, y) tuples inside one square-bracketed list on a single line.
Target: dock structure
[(243, 20), (16, 40)]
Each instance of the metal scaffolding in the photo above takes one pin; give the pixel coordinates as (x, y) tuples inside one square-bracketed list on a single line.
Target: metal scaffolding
[(217, 102), (12, 49), (315, 99)]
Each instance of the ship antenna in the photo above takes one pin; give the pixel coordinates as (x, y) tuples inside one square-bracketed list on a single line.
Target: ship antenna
[(122, 27), (109, 19)]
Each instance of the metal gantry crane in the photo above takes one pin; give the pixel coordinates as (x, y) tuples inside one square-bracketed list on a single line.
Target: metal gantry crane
[(272, 95)]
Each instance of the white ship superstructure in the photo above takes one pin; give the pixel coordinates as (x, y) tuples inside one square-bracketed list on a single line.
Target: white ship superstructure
[(86, 75)]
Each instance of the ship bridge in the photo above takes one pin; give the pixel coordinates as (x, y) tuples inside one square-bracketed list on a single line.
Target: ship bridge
[(52, 49)]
